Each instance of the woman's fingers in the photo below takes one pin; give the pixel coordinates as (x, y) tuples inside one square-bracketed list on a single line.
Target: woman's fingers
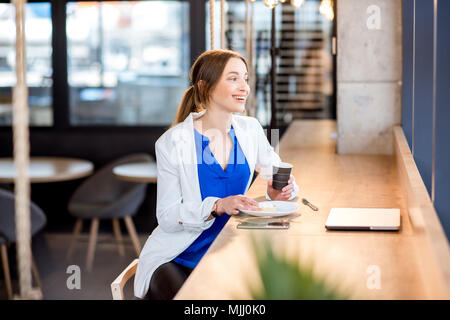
[(287, 191), (236, 208), (244, 203), (239, 203), (286, 195), (250, 204), (234, 204), (251, 201)]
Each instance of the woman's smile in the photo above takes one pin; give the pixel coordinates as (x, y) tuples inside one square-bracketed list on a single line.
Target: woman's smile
[(240, 98)]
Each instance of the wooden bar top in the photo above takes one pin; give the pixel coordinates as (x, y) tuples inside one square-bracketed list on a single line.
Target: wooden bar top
[(348, 259)]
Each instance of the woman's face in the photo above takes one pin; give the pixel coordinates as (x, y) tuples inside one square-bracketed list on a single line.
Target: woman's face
[(232, 89)]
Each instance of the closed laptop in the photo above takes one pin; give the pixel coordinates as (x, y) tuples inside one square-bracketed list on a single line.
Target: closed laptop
[(363, 219)]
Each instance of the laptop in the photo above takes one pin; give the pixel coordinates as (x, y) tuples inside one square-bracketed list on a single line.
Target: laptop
[(363, 219)]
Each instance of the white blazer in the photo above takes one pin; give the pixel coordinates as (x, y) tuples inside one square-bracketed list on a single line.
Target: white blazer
[(180, 211)]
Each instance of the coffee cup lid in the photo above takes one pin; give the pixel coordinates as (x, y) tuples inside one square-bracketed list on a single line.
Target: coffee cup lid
[(284, 165)]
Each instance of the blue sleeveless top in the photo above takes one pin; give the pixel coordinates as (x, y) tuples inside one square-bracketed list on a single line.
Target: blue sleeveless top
[(215, 182)]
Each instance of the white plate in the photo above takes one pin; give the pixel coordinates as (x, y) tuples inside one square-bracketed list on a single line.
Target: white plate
[(283, 209)]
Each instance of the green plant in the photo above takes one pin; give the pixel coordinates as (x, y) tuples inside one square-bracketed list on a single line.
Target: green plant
[(284, 279)]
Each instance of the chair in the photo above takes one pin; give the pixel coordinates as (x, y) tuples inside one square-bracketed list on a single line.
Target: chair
[(119, 283), (103, 196), (8, 233)]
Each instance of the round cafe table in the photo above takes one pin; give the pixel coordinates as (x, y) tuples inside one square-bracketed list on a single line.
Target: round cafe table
[(47, 169), (136, 172)]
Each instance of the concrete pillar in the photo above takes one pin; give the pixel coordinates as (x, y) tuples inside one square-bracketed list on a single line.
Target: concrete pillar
[(369, 71)]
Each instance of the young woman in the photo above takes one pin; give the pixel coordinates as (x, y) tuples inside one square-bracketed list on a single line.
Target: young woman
[(205, 162)]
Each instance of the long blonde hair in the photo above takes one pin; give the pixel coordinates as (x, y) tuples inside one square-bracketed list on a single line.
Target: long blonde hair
[(208, 69)]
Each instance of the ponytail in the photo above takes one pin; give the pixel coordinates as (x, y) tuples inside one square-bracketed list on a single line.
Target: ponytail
[(187, 105), (191, 102)]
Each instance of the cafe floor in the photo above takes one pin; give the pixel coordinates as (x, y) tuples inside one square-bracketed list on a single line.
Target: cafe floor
[(49, 250)]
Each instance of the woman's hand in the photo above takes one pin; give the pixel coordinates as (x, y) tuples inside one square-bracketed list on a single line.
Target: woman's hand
[(283, 194), (233, 204)]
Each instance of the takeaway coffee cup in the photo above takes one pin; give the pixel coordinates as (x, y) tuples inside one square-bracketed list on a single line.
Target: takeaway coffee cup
[(281, 174)]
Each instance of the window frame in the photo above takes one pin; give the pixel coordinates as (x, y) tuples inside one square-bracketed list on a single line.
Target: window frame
[(60, 88)]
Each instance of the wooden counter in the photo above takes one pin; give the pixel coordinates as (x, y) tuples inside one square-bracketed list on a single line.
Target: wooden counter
[(348, 259)]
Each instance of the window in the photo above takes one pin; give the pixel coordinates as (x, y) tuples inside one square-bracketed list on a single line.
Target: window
[(38, 33), (128, 62), (235, 24), (304, 62)]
